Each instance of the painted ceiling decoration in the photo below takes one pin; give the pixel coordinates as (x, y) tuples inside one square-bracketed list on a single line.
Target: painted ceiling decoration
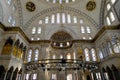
[(91, 5), (30, 6)]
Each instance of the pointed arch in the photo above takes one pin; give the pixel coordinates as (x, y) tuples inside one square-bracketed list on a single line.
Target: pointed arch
[(15, 73), (9, 73)]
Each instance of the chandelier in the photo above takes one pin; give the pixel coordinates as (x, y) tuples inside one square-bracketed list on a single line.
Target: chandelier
[(61, 65)]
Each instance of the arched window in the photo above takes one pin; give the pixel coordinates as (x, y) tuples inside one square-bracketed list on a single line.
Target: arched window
[(88, 29), (54, 57), (93, 53), (63, 18), (110, 48), (87, 55), (36, 54), (58, 17), (29, 55), (74, 19), (69, 77), (100, 54), (68, 18), (110, 15), (115, 44), (27, 76), (46, 19), (34, 76), (54, 77), (39, 30), (9, 2), (82, 29), (33, 30), (53, 18), (68, 56)]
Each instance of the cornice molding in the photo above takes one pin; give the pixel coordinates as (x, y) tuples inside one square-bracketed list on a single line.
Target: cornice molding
[(18, 29)]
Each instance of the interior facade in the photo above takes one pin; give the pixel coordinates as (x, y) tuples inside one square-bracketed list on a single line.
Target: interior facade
[(59, 39)]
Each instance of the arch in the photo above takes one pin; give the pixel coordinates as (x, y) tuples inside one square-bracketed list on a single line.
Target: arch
[(110, 75), (103, 70), (88, 77), (9, 73), (58, 8), (19, 77), (15, 48), (20, 51), (20, 71), (7, 46), (21, 46), (2, 72), (87, 54), (115, 72), (15, 73)]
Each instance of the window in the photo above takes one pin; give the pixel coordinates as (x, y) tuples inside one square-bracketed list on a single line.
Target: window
[(115, 44), (87, 57), (54, 77), (110, 48), (84, 37), (98, 76), (29, 55), (106, 76), (40, 21), (61, 56), (46, 19), (36, 54), (75, 19), (112, 17), (54, 57), (39, 30), (68, 43), (113, 1), (33, 30), (90, 38), (61, 44), (108, 6), (38, 38), (88, 29), (81, 21), (27, 76), (58, 18), (69, 77), (10, 19), (63, 18), (34, 76), (54, 1), (13, 23), (68, 56), (9, 2), (14, 8), (82, 29), (100, 54), (68, 18), (32, 38), (93, 53), (53, 18), (108, 20)]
